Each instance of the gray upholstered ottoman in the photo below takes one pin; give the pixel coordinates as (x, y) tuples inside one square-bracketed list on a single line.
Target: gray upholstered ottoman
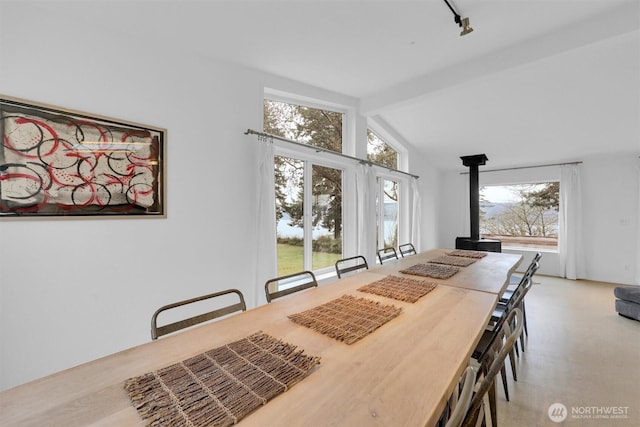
[(628, 301)]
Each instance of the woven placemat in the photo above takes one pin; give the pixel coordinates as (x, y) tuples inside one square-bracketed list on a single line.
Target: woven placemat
[(221, 386), (467, 253), (437, 271), (453, 260), (347, 318), (400, 288)]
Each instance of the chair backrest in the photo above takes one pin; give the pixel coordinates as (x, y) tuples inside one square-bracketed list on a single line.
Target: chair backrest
[(288, 284), (511, 329), (528, 275), (534, 265), (350, 264), (531, 269), (158, 331), (514, 301), (520, 293), (407, 249), (468, 381), (387, 254)]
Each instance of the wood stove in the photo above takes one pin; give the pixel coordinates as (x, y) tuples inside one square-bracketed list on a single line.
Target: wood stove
[(474, 242)]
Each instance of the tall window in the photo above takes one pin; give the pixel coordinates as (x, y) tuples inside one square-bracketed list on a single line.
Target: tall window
[(308, 193), (522, 216), (379, 152), (388, 214)]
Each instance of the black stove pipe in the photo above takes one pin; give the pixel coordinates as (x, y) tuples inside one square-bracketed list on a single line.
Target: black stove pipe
[(474, 191), (473, 242)]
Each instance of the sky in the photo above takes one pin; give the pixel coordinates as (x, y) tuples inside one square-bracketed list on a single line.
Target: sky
[(499, 194)]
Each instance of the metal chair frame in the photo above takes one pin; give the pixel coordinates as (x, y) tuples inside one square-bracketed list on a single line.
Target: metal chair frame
[(386, 254), (360, 263), (407, 249), (158, 331), (309, 282)]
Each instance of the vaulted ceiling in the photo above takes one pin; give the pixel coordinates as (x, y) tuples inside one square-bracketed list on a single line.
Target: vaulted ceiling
[(536, 81)]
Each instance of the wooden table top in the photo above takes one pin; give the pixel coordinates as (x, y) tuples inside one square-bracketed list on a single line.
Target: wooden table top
[(490, 275), (400, 374)]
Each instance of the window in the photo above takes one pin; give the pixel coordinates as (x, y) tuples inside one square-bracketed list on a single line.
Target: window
[(522, 216), (388, 214), (380, 152), (308, 193), (313, 126)]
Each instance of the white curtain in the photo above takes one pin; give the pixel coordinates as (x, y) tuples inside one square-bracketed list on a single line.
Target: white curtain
[(366, 207), (570, 223), (266, 256), (416, 215)]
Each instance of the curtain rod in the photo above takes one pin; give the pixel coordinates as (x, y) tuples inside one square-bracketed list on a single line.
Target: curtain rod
[(267, 137), (526, 167)]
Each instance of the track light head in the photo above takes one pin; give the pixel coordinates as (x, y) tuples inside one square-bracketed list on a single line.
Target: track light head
[(462, 22), (466, 28)]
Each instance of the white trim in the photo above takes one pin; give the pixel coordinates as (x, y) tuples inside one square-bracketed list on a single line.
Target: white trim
[(348, 112), (311, 157)]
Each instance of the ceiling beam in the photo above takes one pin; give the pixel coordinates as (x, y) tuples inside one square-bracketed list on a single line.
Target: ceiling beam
[(619, 21)]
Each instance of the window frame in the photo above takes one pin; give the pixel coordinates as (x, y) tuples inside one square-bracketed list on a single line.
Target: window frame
[(354, 145), (389, 137), (380, 210), (528, 248), (311, 157)]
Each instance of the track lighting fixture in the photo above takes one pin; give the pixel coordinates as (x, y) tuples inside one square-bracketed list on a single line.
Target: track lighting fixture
[(462, 22)]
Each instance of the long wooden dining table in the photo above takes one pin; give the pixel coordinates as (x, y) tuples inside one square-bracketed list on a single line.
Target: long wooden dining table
[(401, 374)]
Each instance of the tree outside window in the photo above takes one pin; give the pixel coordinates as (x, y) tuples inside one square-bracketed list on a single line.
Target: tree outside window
[(522, 215), (294, 178), (380, 152)]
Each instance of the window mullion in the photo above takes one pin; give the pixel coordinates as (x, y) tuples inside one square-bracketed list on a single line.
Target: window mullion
[(307, 215), (380, 213)]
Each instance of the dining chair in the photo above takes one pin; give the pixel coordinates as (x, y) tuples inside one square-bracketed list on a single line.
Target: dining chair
[(517, 281), (488, 369), (483, 350), (158, 331), (492, 331), (354, 263), (508, 299), (288, 284), (386, 254), (407, 249), (500, 313), (461, 399)]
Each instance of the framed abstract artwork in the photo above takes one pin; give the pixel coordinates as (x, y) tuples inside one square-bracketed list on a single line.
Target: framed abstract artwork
[(56, 162)]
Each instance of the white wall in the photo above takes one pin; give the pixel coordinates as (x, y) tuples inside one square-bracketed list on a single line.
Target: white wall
[(428, 186), (611, 217), (74, 290), (610, 214)]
